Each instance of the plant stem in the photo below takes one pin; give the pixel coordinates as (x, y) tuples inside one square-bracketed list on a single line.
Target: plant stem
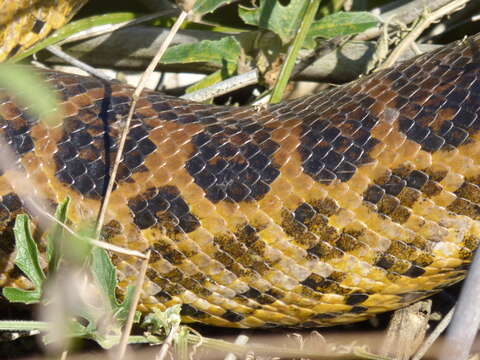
[(284, 76)]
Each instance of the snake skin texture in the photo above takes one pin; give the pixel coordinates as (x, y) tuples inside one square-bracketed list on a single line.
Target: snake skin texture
[(24, 22), (319, 211)]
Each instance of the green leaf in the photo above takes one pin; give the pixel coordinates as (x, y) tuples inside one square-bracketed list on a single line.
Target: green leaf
[(22, 296), (206, 6), (272, 15), (106, 278), (55, 235), (339, 24), (104, 273), (162, 321), (27, 258), (220, 52)]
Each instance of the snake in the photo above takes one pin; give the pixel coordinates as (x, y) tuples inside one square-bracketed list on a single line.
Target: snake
[(318, 211)]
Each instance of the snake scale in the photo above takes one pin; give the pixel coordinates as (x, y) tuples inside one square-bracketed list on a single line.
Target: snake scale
[(318, 211)]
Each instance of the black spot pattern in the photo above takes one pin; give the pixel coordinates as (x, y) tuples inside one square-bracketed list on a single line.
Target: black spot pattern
[(163, 206), (89, 145), (38, 26), (17, 130), (234, 162), (328, 155), (10, 207), (440, 107)]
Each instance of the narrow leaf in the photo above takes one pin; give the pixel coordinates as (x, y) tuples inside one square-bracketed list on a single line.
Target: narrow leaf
[(104, 273), (339, 24), (27, 258), (225, 50), (55, 235)]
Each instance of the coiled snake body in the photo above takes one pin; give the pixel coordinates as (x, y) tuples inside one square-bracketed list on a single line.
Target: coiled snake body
[(318, 211)]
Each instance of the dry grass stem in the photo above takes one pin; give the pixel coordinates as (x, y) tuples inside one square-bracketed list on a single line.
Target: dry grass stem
[(422, 350), (240, 340), (406, 331), (64, 355), (429, 19), (167, 344), (466, 317), (122, 347), (136, 94), (100, 244), (57, 51)]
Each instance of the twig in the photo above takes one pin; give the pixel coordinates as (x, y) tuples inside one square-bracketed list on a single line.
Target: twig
[(324, 48), (223, 87), (122, 347), (406, 331), (284, 76), (106, 29), (276, 351), (135, 96), (466, 318), (419, 28), (168, 342), (240, 340), (434, 335), (404, 12), (64, 355), (57, 51)]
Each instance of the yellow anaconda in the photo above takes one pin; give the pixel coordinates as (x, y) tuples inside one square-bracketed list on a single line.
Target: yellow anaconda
[(318, 211)]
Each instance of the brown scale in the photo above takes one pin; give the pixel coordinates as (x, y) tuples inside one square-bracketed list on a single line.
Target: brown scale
[(320, 211)]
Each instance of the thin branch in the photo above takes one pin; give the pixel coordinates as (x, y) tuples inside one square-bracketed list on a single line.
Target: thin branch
[(240, 340), (466, 318), (133, 306), (167, 344), (422, 350), (57, 51), (400, 11), (223, 87), (136, 94), (420, 28)]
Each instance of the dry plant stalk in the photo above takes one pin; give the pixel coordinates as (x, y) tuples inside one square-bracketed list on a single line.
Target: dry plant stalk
[(135, 96), (101, 217), (420, 28), (406, 331), (122, 347)]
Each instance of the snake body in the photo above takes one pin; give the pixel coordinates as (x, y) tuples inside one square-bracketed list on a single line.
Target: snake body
[(319, 211)]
